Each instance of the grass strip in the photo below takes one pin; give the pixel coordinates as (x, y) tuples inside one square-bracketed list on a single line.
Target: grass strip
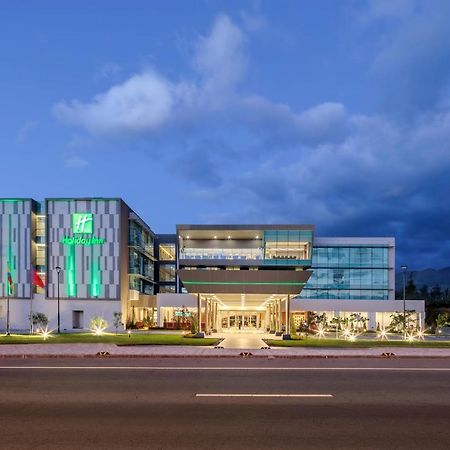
[(359, 343), (108, 338)]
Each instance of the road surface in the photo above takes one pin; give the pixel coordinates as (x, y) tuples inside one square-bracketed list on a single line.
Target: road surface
[(189, 403)]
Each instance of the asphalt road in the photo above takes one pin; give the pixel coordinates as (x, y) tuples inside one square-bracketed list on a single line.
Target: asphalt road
[(153, 404)]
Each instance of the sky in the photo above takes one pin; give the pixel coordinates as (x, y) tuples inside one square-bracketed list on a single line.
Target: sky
[(334, 113)]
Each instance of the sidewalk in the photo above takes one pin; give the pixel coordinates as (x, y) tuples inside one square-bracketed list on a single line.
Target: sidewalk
[(166, 351)]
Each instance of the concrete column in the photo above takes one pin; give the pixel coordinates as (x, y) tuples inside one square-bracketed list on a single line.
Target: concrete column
[(372, 323), (280, 323), (288, 314), (207, 315), (272, 317), (199, 312), (216, 308)]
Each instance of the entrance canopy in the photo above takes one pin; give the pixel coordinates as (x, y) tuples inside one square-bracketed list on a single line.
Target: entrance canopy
[(244, 281)]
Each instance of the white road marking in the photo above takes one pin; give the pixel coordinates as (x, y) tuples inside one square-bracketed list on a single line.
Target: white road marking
[(266, 395), (375, 369)]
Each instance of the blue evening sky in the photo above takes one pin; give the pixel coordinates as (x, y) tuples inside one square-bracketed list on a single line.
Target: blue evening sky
[(335, 113)]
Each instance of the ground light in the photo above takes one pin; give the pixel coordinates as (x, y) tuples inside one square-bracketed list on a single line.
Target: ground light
[(409, 337), (346, 333), (382, 335), (98, 330), (45, 333), (420, 335), (320, 331)]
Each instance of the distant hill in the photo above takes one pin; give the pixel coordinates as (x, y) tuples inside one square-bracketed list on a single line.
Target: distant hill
[(430, 277)]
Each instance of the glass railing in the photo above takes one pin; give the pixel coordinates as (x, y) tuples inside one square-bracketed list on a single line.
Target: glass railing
[(222, 253)]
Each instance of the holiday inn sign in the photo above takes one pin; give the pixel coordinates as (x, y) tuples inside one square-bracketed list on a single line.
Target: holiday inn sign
[(82, 223)]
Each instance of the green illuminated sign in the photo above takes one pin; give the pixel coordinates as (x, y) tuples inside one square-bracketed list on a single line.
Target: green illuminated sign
[(68, 240), (82, 223)]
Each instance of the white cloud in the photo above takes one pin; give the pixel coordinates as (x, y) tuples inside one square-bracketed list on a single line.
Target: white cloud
[(25, 130), (143, 102), (220, 57), (75, 162)]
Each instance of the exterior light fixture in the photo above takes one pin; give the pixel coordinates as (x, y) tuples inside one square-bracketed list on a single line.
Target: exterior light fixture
[(187, 237), (215, 237), (257, 237), (229, 237)]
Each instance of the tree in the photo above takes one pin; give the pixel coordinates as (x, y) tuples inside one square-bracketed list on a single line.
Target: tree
[(436, 293), (410, 288), (38, 319), (423, 292), (194, 323), (398, 321), (442, 320), (117, 321)]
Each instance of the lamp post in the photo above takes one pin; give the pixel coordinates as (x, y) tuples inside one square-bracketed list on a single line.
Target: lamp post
[(58, 271), (404, 269)]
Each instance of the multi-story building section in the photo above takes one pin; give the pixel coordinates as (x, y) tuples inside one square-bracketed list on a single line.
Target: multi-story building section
[(103, 250), (232, 277)]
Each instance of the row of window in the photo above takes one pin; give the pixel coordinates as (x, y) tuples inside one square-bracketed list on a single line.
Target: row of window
[(338, 278), (139, 237), (345, 294), (167, 252), (350, 257), (143, 286), (141, 265)]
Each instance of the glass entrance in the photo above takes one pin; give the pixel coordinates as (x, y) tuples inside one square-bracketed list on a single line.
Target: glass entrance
[(242, 320)]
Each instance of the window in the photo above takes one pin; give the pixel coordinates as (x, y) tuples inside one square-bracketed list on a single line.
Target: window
[(287, 245), (77, 320), (349, 272), (167, 272), (167, 252), (167, 289)]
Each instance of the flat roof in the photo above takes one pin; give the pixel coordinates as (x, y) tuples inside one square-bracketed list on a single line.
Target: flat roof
[(223, 231)]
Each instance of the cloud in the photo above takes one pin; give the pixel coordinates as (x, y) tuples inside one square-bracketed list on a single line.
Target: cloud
[(412, 59), (75, 162), (220, 58), (25, 130), (248, 158), (149, 102), (143, 102)]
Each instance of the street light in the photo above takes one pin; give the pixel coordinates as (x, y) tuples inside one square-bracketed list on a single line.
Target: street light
[(404, 269), (58, 271)]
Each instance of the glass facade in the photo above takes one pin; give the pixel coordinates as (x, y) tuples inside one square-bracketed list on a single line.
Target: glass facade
[(141, 265), (221, 253), (358, 272), (167, 273), (288, 247), (167, 252)]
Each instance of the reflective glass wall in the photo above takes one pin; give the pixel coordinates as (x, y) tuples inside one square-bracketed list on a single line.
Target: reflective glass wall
[(349, 273)]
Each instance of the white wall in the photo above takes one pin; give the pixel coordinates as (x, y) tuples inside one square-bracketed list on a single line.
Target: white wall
[(369, 307), (20, 310), (174, 300)]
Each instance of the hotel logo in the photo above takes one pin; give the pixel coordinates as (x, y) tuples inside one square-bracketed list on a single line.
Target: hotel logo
[(82, 223)]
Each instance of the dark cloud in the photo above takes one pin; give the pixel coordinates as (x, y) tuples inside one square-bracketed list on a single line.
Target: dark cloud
[(249, 159)]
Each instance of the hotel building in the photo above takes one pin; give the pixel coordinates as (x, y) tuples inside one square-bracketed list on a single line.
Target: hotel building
[(261, 277)]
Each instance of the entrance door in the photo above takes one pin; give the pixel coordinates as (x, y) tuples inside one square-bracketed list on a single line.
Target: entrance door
[(241, 321)]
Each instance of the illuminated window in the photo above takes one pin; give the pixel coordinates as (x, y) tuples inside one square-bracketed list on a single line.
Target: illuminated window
[(167, 252)]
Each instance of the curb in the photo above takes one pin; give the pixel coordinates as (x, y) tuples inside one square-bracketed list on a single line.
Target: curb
[(166, 356)]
